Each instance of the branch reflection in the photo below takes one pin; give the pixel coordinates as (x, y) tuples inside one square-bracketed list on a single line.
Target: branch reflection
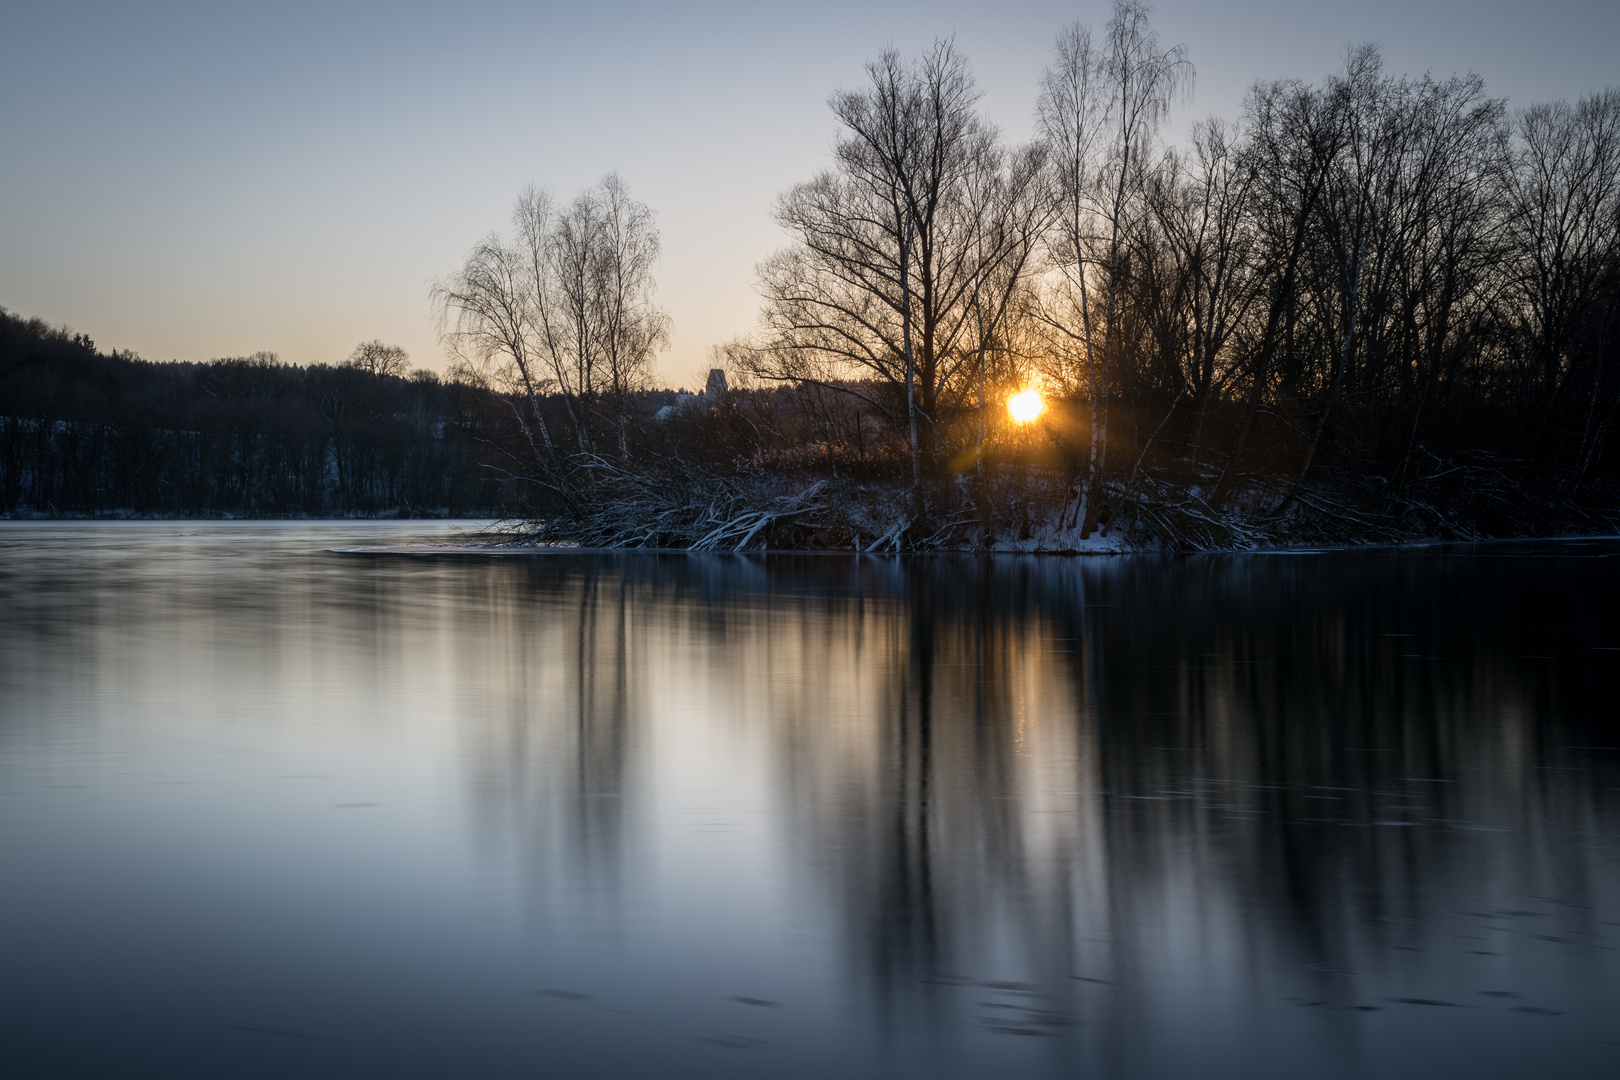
[(1060, 797)]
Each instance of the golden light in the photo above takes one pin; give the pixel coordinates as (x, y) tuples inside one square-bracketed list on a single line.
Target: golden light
[(1026, 405)]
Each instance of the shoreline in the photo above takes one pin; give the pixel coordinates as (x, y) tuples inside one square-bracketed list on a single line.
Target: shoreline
[(537, 551), (495, 548)]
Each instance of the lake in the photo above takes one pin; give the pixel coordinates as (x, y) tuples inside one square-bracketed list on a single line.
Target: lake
[(267, 810)]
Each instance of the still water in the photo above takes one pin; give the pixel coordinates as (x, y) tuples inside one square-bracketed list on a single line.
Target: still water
[(270, 811)]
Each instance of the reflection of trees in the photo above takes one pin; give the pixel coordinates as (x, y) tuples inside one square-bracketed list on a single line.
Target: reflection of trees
[(1260, 727), (1155, 771), (927, 752), (1167, 774), (552, 704)]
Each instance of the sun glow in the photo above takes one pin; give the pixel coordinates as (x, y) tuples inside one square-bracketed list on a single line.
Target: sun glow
[(1026, 405)]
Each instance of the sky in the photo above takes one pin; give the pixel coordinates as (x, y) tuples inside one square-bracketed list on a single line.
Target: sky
[(196, 180)]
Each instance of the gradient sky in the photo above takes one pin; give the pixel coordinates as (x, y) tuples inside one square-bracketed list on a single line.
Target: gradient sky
[(200, 180)]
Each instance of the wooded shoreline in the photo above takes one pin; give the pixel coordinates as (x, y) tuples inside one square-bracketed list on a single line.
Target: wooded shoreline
[(759, 468)]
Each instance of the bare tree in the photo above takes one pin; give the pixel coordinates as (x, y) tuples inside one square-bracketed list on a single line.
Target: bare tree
[(906, 254), (379, 359), (488, 319), (599, 326), (1563, 198), (1295, 136), (1101, 107), (1071, 113), (631, 327), (1008, 209), (1201, 202), (566, 307)]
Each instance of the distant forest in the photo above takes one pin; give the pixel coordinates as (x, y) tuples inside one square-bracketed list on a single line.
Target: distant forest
[(1373, 308), (84, 432)]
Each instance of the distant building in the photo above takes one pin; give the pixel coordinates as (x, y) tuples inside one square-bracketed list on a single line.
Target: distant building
[(715, 388), (714, 392)]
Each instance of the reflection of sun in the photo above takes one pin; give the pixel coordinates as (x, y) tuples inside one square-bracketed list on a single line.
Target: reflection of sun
[(1026, 405)]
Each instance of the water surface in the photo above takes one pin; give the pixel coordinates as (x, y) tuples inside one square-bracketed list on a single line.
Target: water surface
[(269, 811)]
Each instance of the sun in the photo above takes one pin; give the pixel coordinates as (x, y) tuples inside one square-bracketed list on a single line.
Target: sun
[(1026, 405)]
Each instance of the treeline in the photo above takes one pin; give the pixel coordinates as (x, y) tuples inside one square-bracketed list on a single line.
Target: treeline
[(1373, 307), (84, 432)]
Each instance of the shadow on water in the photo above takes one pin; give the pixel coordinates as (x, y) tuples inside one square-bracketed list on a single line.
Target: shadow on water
[(1284, 815)]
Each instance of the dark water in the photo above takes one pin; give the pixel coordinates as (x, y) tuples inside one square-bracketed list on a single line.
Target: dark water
[(269, 811)]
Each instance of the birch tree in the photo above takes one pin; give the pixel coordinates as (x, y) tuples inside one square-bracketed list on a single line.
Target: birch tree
[(1101, 106), (565, 307)]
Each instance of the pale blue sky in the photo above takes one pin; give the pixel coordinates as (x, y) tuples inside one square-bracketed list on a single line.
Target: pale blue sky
[(199, 180)]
